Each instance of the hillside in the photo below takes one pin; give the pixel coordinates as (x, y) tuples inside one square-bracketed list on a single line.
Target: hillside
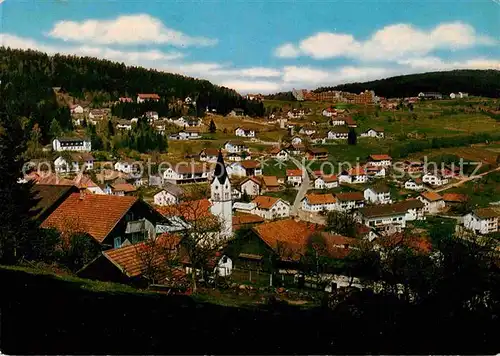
[(475, 82)]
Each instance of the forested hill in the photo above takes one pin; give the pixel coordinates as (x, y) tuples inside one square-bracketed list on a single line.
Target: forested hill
[(475, 82), (77, 75)]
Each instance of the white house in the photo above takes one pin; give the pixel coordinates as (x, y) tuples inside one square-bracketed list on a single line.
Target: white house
[(338, 133), (78, 162), (224, 267), (186, 121), (329, 112), (126, 166), (186, 173), (271, 208), (380, 194), (337, 121), (434, 179), (375, 132), (237, 112), (294, 177), (152, 115), (141, 98), (170, 195), (459, 95), (296, 113), (124, 125), (246, 168), (235, 147), (209, 155), (356, 175), (414, 209), (326, 182), (71, 144), (189, 133), (388, 217), (76, 109), (380, 160), (243, 132), (307, 131), (375, 171), (251, 186), (318, 202), (349, 201), (433, 202), (482, 221), (414, 184), (296, 140), (279, 153)]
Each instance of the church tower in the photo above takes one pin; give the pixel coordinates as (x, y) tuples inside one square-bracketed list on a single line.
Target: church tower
[(222, 204)]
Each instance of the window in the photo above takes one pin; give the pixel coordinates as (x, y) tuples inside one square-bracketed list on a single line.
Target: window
[(117, 242)]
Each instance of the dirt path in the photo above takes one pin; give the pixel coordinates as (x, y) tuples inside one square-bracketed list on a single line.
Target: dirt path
[(465, 180)]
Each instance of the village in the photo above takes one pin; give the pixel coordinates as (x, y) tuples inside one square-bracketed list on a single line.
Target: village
[(272, 184)]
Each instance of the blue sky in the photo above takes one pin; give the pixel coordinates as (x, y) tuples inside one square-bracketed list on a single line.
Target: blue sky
[(264, 46)]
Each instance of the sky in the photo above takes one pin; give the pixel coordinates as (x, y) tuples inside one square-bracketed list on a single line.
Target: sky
[(259, 46)]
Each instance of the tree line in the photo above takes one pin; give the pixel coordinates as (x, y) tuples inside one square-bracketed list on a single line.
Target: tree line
[(474, 82)]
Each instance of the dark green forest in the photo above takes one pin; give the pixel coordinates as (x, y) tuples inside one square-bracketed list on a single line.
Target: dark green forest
[(475, 82), (30, 76)]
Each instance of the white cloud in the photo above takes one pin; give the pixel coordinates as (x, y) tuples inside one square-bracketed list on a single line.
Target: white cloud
[(287, 50), (389, 43), (125, 30), (131, 57)]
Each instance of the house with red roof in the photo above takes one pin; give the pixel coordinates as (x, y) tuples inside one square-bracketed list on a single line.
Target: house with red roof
[(326, 182), (355, 175), (141, 98), (109, 220), (271, 208), (294, 177), (380, 160)]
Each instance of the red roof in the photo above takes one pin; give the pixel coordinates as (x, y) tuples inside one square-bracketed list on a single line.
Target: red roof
[(125, 187), (417, 243), (149, 96), (93, 214), (190, 210), (293, 172), (455, 197), (431, 196), (315, 199), (129, 258), (380, 157), (265, 202), (244, 219), (287, 238)]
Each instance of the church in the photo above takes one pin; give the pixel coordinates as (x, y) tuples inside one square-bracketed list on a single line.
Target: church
[(220, 197)]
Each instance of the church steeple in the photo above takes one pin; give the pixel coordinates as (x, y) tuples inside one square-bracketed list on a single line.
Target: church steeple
[(220, 172), (221, 196)]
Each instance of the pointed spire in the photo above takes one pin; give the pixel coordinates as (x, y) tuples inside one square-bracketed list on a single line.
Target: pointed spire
[(220, 172)]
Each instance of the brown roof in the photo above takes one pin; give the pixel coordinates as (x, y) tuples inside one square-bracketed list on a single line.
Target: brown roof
[(315, 199), (455, 197), (486, 213), (250, 164), (190, 210), (244, 219), (288, 238), (210, 151), (253, 179), (317, 151), (125, 187), (128, 259), (265, 202), (191, 168), (293, 172), (411, 204), (380, 157), (48, 196), (384, 210), (94, 214), (350, 196), (340, 129), (380, 188), (329, 179), (149, 96), (81, 156), (349, 120), (357, 171), (270, 181), (431, 196), (417, 243)]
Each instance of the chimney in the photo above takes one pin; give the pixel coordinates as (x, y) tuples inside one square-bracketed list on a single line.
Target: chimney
[(82, 193)]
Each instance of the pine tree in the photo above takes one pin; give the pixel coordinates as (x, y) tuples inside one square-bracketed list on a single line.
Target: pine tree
[(351, 137), (55, 129), (211, 127), (16, 199), (111, 129)]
